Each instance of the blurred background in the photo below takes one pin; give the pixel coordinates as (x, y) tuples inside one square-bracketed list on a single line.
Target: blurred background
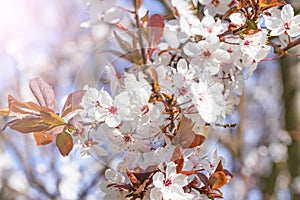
[(44, 39)]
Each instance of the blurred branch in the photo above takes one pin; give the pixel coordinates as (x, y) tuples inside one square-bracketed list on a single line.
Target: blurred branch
[(291, 102)]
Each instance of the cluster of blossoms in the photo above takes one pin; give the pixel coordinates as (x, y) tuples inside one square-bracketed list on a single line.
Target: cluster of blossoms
[(186, 76)]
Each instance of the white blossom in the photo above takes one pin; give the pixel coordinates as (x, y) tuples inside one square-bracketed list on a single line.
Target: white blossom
[(169, 185)]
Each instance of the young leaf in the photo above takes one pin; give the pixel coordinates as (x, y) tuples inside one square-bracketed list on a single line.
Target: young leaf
[(64, 143), (203, 179), (138, 3), (44, 93), (217, 179), (4, 112), (21, 109), (42, 139), (72, 102), (186, 137), (52, 118), (28, 125), (125, 46), (177, 158), (156, 25)]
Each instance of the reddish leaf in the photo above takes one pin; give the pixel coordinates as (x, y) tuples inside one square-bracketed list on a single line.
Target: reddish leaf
[(42, 139), (198, 140), (266, 4), (177, 158), (4, 111), (53, 131), (132, 56), (156, 23), (125, 46), (44, 93), (203, 179), (219, 166), (52, 118), (138, 4), (145, 18), (64, 143), (72, 102), (186, 137), (217, 179), (75, 123), (28, 125), (21, 109)]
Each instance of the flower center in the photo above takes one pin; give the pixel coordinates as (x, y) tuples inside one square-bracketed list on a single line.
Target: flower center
[(183, 91), (247, 43), (206, 53), (127, 137), (201, 97), (97, 104), (113, 110), (215, 2), (286, 26), (145, 109), (167, 182)]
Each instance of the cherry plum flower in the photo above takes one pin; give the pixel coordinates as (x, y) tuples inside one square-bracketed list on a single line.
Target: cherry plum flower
[(285, 23), (208, 99), (169, 186), (213, 7), (207, 53), (255, 46), (101, 107), (105, 10)]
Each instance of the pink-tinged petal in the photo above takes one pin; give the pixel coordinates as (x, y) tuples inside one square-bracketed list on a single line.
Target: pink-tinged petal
[(274, 23), (191, 49), (287, 13), (100, 115), (158, 179), (156, 194), (294, 27), (221, 55), (180, 180), (112, 120), (171, 169), (113, 16), (182, 66)]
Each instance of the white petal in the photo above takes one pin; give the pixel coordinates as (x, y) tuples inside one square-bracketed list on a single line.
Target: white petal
[(158, 179), (113, 16), (221, 55), (105, 99), (287, 13), (156, 194), (112, 120)]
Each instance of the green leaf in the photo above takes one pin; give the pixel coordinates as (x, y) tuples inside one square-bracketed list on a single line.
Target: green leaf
[(251, 23)]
